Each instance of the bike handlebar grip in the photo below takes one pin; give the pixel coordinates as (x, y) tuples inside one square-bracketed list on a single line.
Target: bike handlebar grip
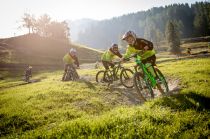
[(126, 59), (133, 55)]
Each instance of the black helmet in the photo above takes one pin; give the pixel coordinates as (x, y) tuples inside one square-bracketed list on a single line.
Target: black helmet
[(114, 45)]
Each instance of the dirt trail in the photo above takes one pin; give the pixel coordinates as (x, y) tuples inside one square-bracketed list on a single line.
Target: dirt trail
[(129, 96)]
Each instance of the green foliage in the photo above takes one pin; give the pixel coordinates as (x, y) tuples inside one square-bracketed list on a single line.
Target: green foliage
[(45, 27), (202, 18)]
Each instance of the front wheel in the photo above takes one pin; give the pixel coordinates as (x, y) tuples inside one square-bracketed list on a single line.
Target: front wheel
[(142, 86), (100, 76), (126, 78), (163, 85)]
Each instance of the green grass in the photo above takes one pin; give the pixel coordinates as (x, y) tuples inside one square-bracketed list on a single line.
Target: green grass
[(83, 109)]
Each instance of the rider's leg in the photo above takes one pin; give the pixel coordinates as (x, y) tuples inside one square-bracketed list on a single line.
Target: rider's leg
[(150, 63), (106, 66), (112, 66), (150, 69), (65, 70)]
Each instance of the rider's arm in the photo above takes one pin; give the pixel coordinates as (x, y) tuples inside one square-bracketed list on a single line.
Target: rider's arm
[(129, 51), (118, 54), (76, 61), (148, 44)]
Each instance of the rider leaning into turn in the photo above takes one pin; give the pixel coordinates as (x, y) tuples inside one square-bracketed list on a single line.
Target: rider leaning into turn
[(70, 59), (109, 55), (145, 47)]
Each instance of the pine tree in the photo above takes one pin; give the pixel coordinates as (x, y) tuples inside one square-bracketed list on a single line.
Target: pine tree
[(172, 36)]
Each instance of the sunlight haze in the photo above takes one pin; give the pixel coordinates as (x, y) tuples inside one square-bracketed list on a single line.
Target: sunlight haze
[(11, 11)]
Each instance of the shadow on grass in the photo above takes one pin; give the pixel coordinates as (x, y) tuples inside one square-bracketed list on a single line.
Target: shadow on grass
[(13, 124), (22, 83), (191, 100), (88, 83)]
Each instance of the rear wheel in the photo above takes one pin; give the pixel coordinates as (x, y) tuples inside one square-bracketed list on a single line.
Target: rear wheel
[(126, 78), (100, 76), (142, 86), (163, 85)]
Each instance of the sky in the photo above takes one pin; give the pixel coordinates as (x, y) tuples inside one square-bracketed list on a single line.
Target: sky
[(12, 11)]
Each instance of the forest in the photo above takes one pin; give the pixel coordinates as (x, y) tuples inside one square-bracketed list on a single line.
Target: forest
[(190, 20)]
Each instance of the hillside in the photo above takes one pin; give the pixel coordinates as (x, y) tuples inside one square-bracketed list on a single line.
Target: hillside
[(50, 108), (192, 21), (35, 50)]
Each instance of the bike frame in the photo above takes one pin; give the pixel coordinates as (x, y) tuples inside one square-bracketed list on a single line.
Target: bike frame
[(115, 70), (147, 75)]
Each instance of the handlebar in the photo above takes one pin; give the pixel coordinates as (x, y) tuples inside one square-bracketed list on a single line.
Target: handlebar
[(133, 55), (117, 62)]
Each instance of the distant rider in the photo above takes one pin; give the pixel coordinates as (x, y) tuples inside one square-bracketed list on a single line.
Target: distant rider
[(28, 71), (70, 59), (109, 55)]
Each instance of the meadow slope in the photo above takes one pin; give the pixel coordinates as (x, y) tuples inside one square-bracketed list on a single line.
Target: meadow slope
[(50, 108), (35, 50)]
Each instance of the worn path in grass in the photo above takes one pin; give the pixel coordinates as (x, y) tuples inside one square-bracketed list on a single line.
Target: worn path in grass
[(130, 94)]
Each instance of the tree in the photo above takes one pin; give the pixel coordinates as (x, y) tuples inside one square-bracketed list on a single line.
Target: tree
[(29, 22), (201, 19), (172, 36), (42, 25), (58, 30)]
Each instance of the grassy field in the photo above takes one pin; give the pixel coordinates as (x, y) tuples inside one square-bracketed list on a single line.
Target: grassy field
[(50, 108)]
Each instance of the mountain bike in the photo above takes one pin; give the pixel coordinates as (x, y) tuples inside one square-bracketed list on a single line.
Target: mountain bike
[(113, 74), (71, 74), (145, 83)]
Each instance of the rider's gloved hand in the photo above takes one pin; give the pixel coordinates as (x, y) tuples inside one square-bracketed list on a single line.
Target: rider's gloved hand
[(124, 59)]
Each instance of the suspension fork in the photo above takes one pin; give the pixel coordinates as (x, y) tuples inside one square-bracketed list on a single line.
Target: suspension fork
[(148, 75)]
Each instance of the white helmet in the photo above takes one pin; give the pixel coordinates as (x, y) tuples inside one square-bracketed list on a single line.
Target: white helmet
[(129, 33), (73, 51)]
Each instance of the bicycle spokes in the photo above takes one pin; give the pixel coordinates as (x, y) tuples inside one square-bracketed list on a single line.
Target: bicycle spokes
[(142, 86)]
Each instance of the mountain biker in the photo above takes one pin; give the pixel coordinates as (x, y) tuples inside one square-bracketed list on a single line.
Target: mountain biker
[(28, 71), (143, 46), (189, 51), (109, 55), (70, 59)]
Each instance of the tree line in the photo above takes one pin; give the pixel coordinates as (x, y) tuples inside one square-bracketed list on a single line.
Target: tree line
[(45, 27), (188, 21)]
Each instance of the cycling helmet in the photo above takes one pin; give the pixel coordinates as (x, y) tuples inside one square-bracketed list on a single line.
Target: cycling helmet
[(114, 45), (73, 51), (129, 33)]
